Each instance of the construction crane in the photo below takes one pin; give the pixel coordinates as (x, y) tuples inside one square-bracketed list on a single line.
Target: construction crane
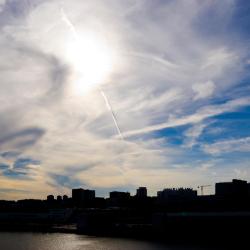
[(202, 187)]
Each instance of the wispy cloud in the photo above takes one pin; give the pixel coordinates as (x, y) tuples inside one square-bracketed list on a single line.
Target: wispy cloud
[(201, 114), (228, 146)]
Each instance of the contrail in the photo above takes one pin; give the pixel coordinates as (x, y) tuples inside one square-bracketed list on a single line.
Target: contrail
[(74, 32), (69, 23), (112, 113)]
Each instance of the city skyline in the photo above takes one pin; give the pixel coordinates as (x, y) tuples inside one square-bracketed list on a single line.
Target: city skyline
[(112, 95), (233, 189)]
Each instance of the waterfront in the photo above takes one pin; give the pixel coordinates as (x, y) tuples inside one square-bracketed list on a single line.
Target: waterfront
[(59, 241)]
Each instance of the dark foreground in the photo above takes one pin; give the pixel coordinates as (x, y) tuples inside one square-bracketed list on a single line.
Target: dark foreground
[(174, 217), (222, 230)]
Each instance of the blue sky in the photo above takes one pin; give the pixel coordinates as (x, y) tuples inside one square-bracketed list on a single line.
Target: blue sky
[(119, 94)]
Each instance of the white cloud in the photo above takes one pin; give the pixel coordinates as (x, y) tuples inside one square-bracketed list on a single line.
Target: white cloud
[(193, 133), (228, 146), (203, 90)]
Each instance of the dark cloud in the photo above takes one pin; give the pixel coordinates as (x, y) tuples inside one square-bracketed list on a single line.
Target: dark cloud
[(12, 11), (57, 70), (66, 181), (9, 173), (4, 166), (23, 138), (53, 72), (15, 10), (59, 75), (10, 154), (20, 168), (25, 162)]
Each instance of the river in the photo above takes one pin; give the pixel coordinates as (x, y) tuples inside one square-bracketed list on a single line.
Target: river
[(59, 241)]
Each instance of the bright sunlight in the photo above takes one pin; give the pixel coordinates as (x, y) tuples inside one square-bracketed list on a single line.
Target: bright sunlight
[(92, 61)]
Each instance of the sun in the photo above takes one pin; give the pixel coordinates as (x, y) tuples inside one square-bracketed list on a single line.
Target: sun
[(92, 61)]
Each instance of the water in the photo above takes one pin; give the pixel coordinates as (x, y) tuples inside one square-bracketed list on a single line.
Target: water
[(56, 241)]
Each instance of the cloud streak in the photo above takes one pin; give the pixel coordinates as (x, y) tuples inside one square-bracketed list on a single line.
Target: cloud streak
[(228, 146), (197, 117)]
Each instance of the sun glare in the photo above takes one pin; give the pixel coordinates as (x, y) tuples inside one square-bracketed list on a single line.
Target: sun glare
[(92, 61)]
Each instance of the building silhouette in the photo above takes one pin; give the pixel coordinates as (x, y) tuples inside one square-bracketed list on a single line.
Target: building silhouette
[(65, 198), (141, 192), (119, 195), (82, 197), (118, 199), (59, 198), (50, 198), (234, 189), (173, 194)]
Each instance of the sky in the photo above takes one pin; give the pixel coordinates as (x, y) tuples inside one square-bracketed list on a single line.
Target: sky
[(112, 95)]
